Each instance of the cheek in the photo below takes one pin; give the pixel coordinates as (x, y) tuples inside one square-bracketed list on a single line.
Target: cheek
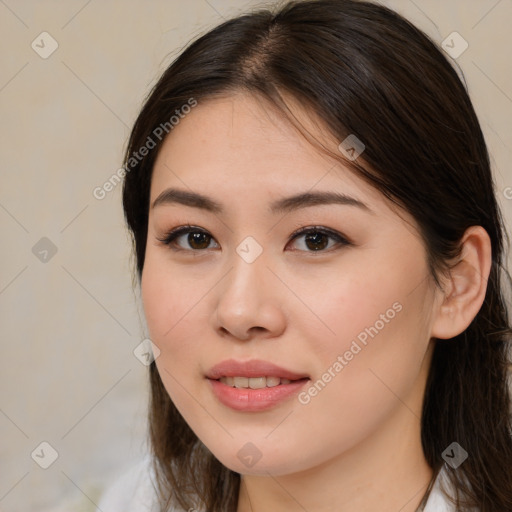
[(171, 308), (368, 295), (372, 365), (379, 323), (177, 311), (168, 299)]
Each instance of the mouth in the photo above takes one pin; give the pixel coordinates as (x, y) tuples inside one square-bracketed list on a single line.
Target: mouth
[(253, 385), (254, 374), (256, 382)]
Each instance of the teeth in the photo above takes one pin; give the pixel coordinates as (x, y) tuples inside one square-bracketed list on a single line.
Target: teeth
[(273, 381), (253, 382), (241, 382), (257, 382)]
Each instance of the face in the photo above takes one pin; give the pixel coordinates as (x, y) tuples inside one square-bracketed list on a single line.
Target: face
[(336, 295)]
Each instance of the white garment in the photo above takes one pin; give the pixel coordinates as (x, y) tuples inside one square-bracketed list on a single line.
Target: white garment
[(135, 492), (437, 501)]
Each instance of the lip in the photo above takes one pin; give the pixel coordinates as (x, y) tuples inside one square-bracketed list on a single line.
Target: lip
[(251, 368), (253, 400)]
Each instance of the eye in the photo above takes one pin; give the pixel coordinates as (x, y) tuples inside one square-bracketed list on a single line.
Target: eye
[(316, 238), (197, 238)]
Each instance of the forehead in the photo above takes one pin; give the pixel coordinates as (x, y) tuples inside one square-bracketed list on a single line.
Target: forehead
[(234, 130), (237, 148)]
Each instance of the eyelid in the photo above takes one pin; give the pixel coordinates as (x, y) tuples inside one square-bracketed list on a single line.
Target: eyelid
[(320, 229)]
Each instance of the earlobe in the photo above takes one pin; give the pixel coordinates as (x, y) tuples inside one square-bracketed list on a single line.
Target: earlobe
[(466, 286)]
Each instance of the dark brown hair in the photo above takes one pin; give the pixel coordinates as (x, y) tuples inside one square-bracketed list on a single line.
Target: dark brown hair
[(361, 69)]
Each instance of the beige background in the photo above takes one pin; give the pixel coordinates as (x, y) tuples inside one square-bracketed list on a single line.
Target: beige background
[(69, 325)]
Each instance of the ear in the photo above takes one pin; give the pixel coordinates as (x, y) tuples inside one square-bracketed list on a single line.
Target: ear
[(465, 286)]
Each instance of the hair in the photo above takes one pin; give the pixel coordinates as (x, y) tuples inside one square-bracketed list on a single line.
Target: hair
[(361, 69)]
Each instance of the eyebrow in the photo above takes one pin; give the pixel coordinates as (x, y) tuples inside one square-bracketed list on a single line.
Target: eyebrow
[(280, 206)]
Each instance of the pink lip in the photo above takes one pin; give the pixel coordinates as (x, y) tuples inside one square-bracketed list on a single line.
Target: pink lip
[(252, 400), (252, 368)]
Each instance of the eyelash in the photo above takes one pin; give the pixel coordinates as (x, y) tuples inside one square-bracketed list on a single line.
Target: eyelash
[(172, 235)]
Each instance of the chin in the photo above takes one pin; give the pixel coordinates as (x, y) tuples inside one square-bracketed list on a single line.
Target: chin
[(260, 459)]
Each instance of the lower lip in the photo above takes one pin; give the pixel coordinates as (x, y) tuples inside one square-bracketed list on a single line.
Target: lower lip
[(250, 400)]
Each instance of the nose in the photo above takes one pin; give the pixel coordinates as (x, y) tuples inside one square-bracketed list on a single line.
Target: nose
[(249, 301)]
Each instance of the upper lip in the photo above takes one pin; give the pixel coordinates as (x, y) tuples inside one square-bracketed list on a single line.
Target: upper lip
[(251, 368)]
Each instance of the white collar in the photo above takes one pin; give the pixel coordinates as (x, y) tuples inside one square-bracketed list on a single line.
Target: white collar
[(437, 500)]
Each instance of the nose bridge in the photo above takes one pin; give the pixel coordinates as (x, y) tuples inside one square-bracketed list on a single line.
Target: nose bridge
[(248, 269), (247, 298)]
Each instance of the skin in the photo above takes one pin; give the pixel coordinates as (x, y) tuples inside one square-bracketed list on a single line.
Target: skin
[(355, 446)]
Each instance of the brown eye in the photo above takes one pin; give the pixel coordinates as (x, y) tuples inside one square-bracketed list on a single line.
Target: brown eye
[(317, 239), (197, 239)]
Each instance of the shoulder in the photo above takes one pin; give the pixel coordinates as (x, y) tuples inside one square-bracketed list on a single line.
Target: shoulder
[(135, 490), (132, 491), (437, 501)]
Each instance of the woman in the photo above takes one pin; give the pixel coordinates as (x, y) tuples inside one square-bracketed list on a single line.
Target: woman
[(320, 254)]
